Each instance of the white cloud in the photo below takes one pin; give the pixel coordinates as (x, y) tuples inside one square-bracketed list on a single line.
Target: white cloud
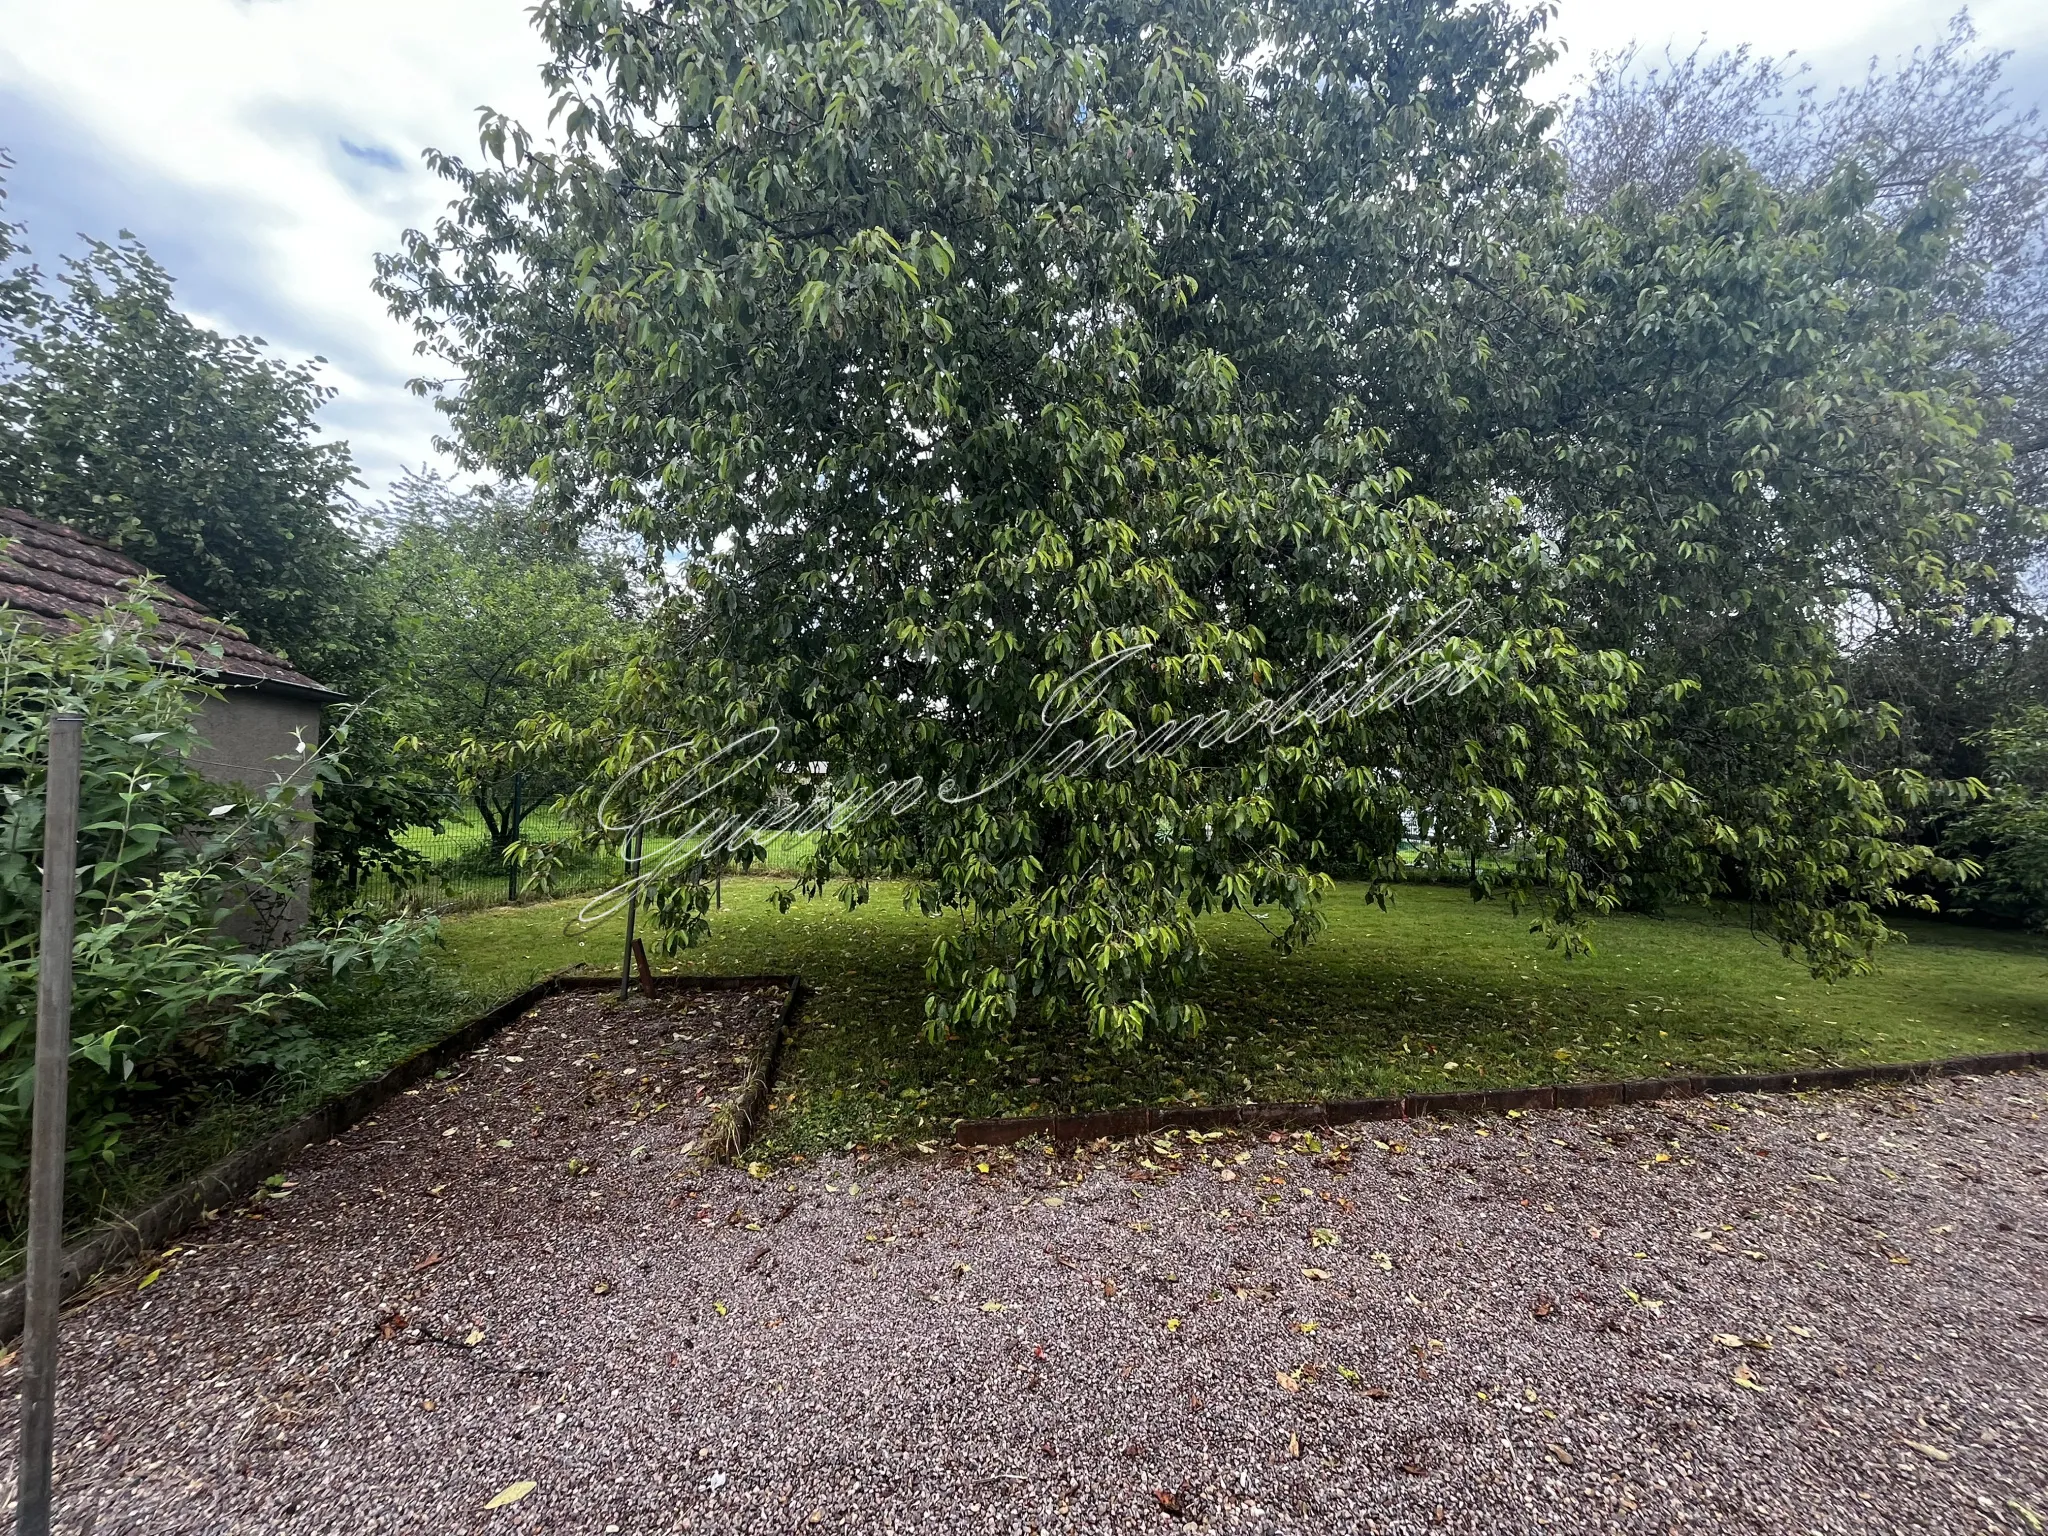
[(266, 150), (231, 127)]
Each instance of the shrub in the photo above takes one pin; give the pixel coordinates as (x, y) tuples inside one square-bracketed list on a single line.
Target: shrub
[(163, 997)]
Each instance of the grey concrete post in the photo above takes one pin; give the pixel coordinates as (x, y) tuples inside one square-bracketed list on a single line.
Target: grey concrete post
[(47, 1135)]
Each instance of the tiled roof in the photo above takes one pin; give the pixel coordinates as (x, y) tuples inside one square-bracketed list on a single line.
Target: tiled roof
[(58, 574)]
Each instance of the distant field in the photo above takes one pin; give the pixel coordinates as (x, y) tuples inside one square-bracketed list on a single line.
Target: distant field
[(1434, 992)]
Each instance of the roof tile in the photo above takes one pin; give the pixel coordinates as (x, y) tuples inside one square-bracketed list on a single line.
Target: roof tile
[(58, 574)]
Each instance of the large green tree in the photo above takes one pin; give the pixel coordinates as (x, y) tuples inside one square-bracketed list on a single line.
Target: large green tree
[(1936, 128), (197, 454), (955, 353)]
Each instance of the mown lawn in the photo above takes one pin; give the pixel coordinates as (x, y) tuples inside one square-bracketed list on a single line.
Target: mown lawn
[(1435, 991)]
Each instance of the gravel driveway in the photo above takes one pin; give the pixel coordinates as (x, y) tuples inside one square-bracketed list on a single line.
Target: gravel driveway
[(1773, 1315)]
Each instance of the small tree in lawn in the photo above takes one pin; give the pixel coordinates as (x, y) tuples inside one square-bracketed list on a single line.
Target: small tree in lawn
[(485, 599)]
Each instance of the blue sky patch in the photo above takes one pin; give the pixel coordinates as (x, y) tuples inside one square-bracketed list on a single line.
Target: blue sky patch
[(373, 154)]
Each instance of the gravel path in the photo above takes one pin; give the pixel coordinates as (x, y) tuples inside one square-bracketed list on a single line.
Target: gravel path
[(1773, 1315)]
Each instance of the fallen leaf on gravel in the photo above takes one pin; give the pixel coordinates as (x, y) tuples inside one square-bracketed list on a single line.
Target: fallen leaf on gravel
[(1315, 1274), (1542, 1306), (1413, 1468), (1173, 1325), (512, 1493), (1385, 1261), (718, 1307), (149, 1279), (759, 1170), (1900, 1258), (1559, 1454), (1737, 1341), (1287, 1382), (1109, 1290), (1052, 1200), (1307, 1325), (476, 1337), (1294, 1447), (600, 1287), (962, 1269), (1744, 1379), (427, 1263), (1322, 1237), (1931, 1452), (992, 1306)]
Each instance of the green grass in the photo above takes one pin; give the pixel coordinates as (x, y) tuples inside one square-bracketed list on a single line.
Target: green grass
[(1434, 992)]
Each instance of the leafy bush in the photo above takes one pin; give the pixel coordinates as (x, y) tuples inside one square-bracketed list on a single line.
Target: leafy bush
[(2005, 834), (164, 998)]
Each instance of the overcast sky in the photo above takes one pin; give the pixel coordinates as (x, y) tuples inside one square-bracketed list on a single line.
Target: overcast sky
[(266, 150)]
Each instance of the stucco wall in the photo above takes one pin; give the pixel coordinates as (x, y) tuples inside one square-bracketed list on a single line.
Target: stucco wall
[(249, 733), (251, 739)]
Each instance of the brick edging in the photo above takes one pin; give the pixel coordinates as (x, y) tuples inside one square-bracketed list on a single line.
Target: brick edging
[(236, 1175), (1300, 1116)]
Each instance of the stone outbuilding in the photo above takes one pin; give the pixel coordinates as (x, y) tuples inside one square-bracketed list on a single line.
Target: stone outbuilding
[(55, 575)]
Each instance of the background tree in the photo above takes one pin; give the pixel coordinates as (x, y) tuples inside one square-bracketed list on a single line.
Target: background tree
[(197, 454), (194, 453), (1935, 127), (950, 350), (2007, 831), (484, 597)]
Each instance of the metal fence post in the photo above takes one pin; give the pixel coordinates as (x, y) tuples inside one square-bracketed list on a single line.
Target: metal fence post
[(636, 844), (511, 868), (46, 1148)]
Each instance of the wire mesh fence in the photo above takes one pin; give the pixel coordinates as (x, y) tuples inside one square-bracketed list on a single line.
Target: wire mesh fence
[(462, 871)]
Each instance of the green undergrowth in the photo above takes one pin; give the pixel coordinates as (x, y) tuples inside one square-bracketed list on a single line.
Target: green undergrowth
[(185, 1128), (1434, 992)]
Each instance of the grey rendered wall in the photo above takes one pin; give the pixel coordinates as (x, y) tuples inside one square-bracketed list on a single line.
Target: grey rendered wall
[(248, 733), (251, 739)]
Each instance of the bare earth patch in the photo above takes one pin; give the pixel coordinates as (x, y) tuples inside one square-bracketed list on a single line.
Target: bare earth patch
[(1824, 1315)]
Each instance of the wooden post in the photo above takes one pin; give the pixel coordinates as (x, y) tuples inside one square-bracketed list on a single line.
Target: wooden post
[(46, 1146)]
